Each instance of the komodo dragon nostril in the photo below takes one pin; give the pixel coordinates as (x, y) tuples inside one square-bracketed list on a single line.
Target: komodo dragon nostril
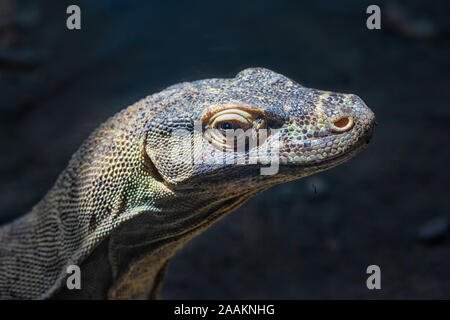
[(342, 124)]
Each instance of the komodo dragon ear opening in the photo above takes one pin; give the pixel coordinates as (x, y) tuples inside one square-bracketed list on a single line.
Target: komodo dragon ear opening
[(150, 166), (166, 162)]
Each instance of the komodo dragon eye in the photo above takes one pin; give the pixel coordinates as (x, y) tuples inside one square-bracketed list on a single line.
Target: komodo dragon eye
[(232, 119), (232, 124), (225, 125)]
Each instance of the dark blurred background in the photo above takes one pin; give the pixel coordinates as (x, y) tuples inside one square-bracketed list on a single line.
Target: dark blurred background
[(312, 238)]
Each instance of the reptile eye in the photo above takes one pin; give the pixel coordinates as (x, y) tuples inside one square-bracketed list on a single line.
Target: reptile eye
[(231, 126), (231, 120), (225, 126)]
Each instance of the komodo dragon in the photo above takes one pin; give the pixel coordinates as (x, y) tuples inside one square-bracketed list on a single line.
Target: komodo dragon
[(131, 196)]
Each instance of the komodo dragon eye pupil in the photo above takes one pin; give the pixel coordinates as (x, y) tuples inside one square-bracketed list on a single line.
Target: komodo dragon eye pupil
[(225, 126)]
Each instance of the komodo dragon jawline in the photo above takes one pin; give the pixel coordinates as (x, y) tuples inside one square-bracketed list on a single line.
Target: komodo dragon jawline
[(124, 205)]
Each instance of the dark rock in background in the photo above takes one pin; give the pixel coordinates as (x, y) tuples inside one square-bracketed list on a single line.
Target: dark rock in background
[(57, 85)]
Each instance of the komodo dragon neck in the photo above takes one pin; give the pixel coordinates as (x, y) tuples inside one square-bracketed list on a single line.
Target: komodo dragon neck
[(125, 204)]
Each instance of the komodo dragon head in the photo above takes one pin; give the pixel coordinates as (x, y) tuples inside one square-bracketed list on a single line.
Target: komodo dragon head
[(223, 140), (163, 170)]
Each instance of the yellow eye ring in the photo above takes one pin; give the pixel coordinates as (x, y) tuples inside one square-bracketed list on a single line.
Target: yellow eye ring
[(226, 127), (231, 119)]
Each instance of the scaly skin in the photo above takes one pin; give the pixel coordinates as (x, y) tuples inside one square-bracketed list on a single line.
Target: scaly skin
[(125, 204)]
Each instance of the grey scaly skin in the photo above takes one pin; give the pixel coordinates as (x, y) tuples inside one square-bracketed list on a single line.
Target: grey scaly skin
[(124, 205)]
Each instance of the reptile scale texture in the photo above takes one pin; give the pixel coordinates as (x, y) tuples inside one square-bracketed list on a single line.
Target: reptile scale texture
[(124, 205)]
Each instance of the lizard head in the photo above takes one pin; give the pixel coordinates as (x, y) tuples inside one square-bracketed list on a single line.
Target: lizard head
[(243, 135)]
